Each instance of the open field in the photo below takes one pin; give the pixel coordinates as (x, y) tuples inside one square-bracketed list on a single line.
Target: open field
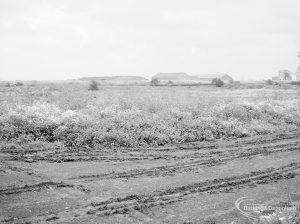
[(142, 116), (141, 154)]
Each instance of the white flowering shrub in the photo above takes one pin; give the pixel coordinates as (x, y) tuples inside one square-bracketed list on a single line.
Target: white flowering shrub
[(143, 121)]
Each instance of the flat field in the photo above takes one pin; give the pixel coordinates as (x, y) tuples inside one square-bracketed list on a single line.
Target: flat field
[(142, 154)]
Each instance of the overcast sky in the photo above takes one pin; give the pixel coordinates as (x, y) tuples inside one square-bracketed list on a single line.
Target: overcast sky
[(62, 39)]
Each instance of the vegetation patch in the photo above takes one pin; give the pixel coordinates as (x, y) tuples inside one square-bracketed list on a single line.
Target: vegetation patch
[(142, 121)]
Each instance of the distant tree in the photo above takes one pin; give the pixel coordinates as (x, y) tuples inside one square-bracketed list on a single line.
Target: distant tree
[(169, 83), (93, 85), (154, 82), (218, 82), (7, 84), (19, 84)]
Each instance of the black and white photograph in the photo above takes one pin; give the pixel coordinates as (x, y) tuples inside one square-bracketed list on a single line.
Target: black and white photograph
[(150, 112)]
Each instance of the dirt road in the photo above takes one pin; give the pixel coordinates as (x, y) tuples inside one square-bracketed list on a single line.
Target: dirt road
[(185, 183)]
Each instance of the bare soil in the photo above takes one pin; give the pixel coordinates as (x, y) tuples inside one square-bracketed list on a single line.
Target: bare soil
[(186, 183)]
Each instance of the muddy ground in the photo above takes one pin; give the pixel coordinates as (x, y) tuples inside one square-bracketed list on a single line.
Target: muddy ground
[(186, 183)]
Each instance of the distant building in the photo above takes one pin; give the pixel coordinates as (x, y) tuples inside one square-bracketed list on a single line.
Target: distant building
[(286, 75), (209, 77), (181, 77), (175, 77), (115, 78), (172, 76)]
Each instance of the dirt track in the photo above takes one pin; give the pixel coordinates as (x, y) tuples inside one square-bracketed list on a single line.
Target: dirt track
[(138, 185)]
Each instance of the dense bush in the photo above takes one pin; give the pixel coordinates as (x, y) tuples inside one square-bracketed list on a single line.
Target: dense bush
[(241, 112), (93, 85), (218, 82), (154, 82), (129, 126), (141, 116)]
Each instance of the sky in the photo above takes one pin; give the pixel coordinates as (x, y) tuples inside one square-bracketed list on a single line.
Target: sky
[(65, 39)]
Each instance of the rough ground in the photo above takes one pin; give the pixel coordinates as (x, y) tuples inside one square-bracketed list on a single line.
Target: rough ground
[(186, 183)]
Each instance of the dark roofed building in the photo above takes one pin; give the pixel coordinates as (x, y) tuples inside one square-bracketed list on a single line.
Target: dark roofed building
[(209, 77), (186, 78), (115, 78), (172, 76)]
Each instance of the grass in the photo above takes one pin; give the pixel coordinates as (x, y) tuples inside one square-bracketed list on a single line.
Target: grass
[(141, 116)]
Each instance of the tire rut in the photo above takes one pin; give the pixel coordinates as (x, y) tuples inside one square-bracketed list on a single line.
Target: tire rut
[(219, 158), (161, 198), (34, 187), (132, 154)]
